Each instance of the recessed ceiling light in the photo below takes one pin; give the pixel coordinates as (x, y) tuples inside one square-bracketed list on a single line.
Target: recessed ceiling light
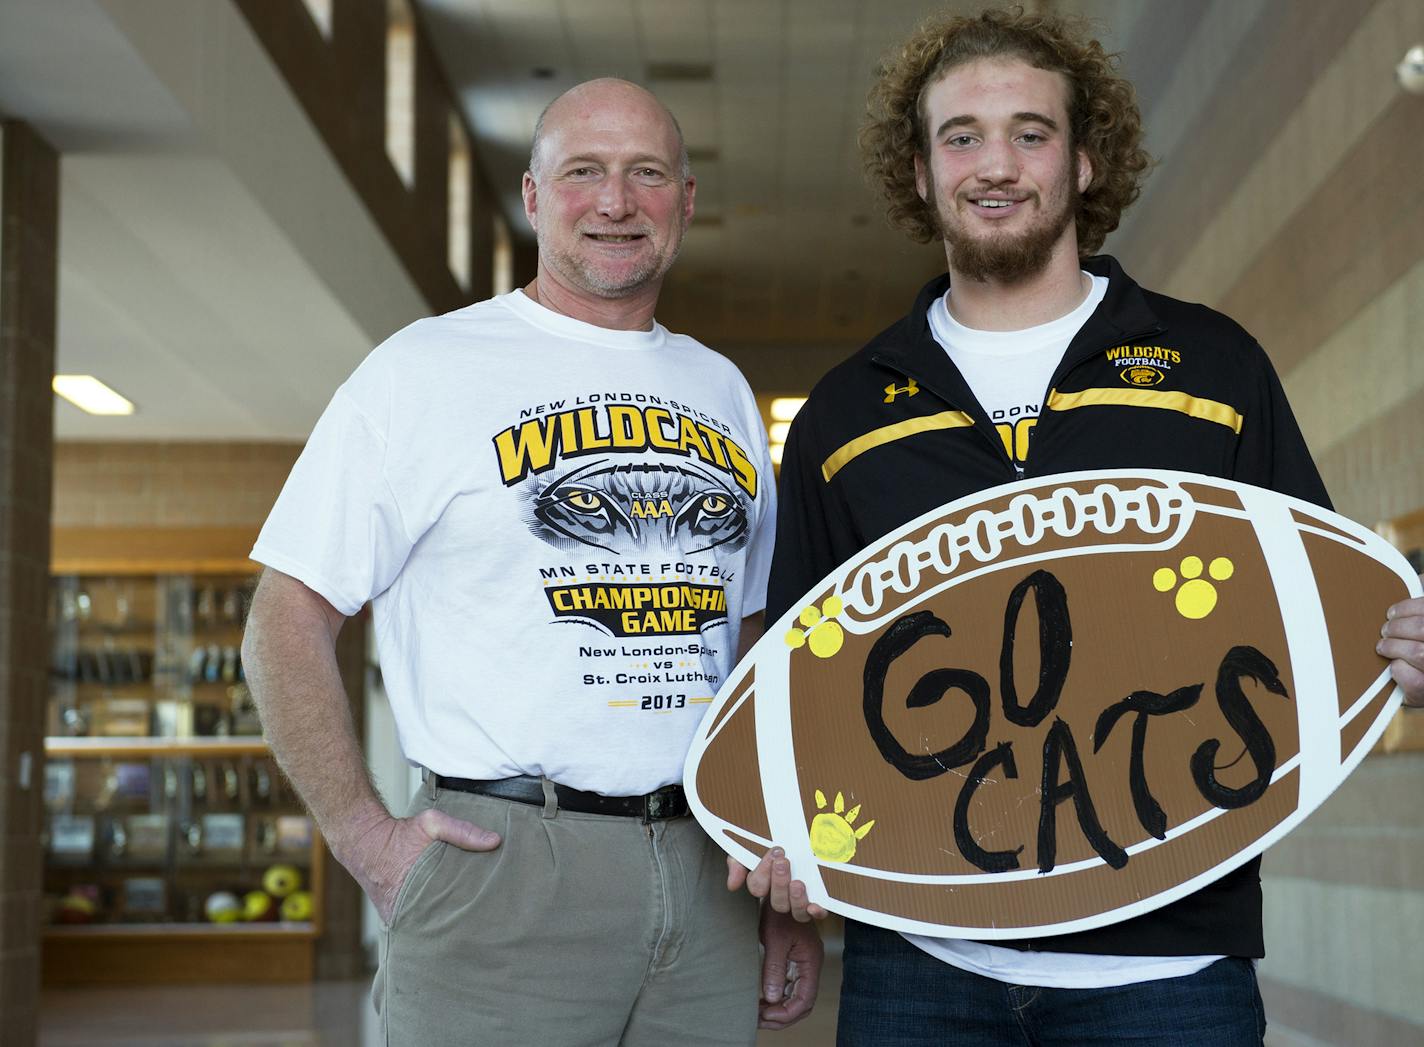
[(87, 393), (784, 408)]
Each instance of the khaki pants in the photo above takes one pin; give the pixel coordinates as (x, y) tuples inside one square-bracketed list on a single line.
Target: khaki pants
[(579, 929)]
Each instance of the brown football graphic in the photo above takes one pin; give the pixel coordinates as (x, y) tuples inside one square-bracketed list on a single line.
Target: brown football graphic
[(1058, 704)]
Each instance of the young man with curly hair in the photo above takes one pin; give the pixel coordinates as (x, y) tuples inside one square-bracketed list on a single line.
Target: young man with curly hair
[(1012, 138)]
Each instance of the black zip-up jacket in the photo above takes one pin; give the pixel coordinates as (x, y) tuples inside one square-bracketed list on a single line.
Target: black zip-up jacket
[(866, 455)]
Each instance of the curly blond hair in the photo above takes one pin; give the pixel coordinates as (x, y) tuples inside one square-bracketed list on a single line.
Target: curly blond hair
[(1102, 112)]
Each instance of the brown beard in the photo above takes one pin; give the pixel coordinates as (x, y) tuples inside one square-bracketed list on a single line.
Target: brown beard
[(1006, 258)]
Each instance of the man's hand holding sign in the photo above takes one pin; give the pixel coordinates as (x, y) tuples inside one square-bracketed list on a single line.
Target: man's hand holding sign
[(1057, 705), (1403, 642)]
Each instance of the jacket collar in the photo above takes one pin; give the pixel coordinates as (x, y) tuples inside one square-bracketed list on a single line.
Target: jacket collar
[(1122, 314)]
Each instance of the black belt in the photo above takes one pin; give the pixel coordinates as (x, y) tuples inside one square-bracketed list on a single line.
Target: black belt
[(668, 802)]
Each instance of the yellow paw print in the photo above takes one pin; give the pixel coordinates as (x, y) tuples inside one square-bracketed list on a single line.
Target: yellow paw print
[(1197, 597), (824, 635), (833, 836)]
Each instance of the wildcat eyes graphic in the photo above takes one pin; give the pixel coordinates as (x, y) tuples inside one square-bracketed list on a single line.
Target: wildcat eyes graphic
[(632, 507)]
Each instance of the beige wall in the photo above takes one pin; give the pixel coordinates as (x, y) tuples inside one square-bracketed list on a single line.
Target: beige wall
[(1289, 197)]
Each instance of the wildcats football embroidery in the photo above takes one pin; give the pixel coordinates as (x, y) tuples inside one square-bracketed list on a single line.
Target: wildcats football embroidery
[(1066, 701)]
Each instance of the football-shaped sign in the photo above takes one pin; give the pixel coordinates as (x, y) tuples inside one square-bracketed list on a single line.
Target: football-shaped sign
[(1055, 705)]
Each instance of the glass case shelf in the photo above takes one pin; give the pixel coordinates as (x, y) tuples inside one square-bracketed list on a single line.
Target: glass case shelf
[(158, 834), (155, 655)]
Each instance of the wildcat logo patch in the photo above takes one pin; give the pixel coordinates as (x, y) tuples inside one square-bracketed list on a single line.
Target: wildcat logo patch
[(1143, 366)]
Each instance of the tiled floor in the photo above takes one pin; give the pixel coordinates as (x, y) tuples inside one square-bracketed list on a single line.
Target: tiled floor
[(331, 1014)]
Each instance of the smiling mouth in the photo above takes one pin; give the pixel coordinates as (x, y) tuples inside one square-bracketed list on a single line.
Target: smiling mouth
[(614, 238), (993, 203)]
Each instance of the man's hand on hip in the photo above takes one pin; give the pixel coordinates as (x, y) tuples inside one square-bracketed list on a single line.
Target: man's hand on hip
[(381, 854)]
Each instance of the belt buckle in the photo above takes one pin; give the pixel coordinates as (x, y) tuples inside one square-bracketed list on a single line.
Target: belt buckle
[(660, 804)]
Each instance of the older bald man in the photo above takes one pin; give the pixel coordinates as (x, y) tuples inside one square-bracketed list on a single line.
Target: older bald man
[(562, 515)]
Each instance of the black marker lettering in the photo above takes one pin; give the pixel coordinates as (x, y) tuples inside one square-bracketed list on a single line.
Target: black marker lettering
[(928, 690), (1144, 704), (1002, 755), (1055, 648), (1059, 747), (1236, 707)]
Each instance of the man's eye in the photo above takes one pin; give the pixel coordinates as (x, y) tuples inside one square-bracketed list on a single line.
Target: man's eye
[(959, 141), (1032, 137)]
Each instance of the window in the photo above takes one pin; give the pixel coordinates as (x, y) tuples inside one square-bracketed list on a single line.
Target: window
[(457, 210), (320, 11), (503, 257), (400, 89)]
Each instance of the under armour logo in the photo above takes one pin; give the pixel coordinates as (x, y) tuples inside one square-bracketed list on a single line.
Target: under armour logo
[(910, 388)]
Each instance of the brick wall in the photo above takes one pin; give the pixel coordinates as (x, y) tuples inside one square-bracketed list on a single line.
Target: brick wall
[(158, 484)]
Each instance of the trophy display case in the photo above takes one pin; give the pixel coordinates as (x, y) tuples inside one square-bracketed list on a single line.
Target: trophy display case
[(175, 850), (149, 656)]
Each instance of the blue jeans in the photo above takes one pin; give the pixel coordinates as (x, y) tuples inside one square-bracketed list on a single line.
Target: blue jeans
[(895, 995)]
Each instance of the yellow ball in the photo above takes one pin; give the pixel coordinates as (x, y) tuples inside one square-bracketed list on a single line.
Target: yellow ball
[(258, 905), (297, 907), (223, 907), (281, 880)]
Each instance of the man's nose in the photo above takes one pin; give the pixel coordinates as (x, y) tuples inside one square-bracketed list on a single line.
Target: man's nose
[(997, 162), (615, 202)]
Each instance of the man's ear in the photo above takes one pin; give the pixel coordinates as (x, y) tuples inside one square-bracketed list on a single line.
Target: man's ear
[(1085, 171), (689, 193), (529, 189), (921, 178)]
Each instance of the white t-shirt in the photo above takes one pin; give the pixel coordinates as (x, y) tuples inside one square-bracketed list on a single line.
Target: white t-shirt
[(1009, 372), (560, 528)]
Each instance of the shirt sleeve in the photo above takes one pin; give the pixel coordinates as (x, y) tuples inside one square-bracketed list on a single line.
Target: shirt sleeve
[(1271, 451), (336, 526)]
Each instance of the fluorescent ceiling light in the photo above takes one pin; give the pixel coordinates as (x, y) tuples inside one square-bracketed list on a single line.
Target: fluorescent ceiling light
[(778, 432), (784, 408), (87, 393), (776, 452)]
